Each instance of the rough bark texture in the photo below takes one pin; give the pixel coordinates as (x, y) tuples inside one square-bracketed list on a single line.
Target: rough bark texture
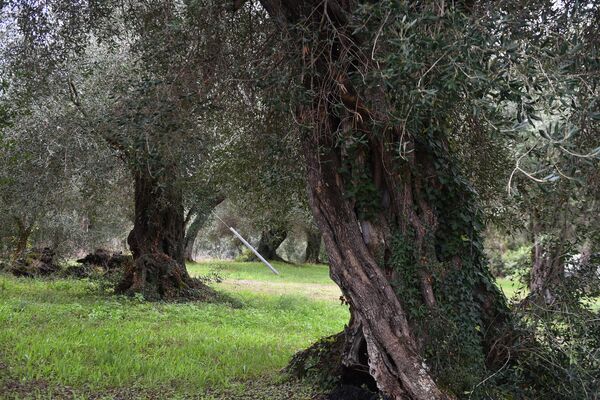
[(421, 232), (393, 352), (313, 246), (156, 242)]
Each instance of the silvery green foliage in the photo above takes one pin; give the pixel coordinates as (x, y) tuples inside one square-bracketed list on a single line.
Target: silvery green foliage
[(160, 86), (59, 182)]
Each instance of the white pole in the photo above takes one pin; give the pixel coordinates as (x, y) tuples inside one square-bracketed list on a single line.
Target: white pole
[(253, 250)]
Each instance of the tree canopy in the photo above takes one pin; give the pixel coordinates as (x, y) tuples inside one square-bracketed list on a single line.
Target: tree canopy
[(399, 128)]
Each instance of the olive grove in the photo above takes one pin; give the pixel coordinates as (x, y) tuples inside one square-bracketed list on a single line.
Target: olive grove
[(394, 131)]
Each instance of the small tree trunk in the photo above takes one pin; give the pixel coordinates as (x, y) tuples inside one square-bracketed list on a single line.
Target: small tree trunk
[(270, 240), (191, 234), (313, 246), (547, 269), (200, 214), (156, 241), (23, 234)]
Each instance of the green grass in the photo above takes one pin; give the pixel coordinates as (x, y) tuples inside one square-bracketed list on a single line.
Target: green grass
[(306, 273), (512, 288), (67, 332), (70, 333), (310, 281)]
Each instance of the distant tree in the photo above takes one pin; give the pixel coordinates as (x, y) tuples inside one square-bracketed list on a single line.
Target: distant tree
[(60, 188), (141, 84)]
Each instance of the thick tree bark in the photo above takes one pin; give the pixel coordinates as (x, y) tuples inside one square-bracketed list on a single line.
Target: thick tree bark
[(313, 246), (393, 352), (156, 241), (423, 232), (270, 240)]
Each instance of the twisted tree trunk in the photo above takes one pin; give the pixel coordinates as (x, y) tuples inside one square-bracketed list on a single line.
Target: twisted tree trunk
[(156, 241), (392, 225)]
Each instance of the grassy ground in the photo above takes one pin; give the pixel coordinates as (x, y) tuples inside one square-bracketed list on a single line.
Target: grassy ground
[(309, 280), (66, 336), (288, 273), (70, 339), (512, 289)]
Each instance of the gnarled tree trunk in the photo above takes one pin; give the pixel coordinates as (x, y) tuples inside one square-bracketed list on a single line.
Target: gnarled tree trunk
[(406, 251), (156, 241)]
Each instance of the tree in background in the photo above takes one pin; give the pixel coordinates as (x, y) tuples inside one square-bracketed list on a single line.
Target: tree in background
[(136, 85), (61, 188)]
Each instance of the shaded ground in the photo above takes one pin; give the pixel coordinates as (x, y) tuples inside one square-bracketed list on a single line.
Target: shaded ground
[(251, 390)]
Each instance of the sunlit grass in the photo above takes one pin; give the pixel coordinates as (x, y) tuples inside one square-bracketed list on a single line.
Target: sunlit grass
[(299, 273), (66, 332), (511, 288)]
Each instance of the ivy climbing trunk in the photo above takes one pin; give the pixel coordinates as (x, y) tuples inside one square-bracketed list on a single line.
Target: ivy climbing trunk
[(156, 242), (401, 233)]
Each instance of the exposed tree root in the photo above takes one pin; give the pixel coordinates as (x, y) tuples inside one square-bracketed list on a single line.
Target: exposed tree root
[(336, 361), (158, 277)]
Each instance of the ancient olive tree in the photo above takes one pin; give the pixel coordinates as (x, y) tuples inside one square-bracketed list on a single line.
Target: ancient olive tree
[(140, 79), (386, 89)]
